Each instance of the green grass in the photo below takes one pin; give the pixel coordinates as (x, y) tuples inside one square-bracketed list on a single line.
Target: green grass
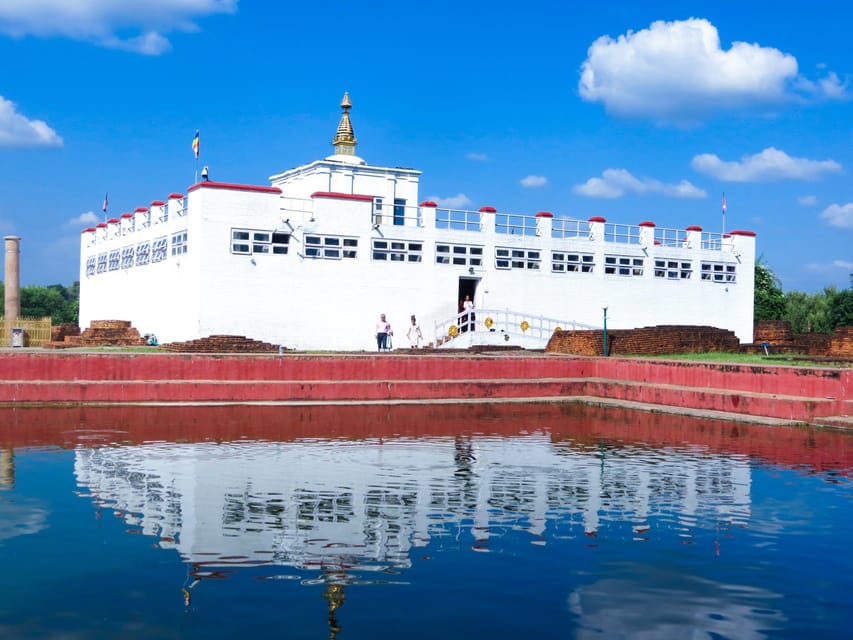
[(752, 358)]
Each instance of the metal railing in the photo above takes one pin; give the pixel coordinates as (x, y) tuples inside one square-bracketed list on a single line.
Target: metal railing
[(513, 325)]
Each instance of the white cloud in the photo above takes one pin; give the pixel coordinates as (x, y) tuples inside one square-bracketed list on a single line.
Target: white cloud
[(101, 21), (534, 181), (677, 72), (840, 216), (459, 201), (768, 165), (835, 265), (84, 220), (477, 157), (614, 183), (807, 201), (17, 130)]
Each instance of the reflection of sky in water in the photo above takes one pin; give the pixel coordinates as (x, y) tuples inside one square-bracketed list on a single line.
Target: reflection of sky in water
[(464, 536), (20, 519)]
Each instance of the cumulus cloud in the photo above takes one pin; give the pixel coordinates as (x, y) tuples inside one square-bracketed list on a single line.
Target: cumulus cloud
[(614, 183), (840, 216), (766, 166), (807, 201), (84, 220), (131, 25), (459, 201), (678, 72), (534, 181), (16, 130), (477, 157)]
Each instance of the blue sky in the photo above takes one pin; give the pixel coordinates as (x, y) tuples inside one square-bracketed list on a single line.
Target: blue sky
[(631, 111)]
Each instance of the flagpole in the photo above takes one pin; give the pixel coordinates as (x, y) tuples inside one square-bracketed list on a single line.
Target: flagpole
[(724, 213)]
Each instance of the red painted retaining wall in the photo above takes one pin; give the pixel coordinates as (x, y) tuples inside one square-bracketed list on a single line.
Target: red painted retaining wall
[(779, 391)]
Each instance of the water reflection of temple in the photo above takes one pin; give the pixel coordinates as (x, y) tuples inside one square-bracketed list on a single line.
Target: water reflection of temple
[(364, 505)]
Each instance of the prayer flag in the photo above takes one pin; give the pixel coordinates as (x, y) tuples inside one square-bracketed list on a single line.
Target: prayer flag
[(106, 201), (724, 203), (195, 144)]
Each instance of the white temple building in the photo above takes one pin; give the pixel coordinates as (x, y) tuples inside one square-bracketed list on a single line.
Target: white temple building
[(311, 260)]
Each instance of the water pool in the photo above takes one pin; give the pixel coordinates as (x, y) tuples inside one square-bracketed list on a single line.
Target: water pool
[(477, 521)]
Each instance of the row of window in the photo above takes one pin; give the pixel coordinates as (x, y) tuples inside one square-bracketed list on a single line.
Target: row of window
[(146, 252), (324, 247)]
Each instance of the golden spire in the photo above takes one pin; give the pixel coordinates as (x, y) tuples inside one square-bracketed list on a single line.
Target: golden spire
[(345, 141)]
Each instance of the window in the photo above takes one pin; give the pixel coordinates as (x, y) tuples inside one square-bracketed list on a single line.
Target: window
[(673, 269), (623, 266), (102, 263), (399, 211), (719, 272), (159, 250), (142, 253), (506, 258), (330, 247), (115, 260), (127, 257), (90, 266), (397, 251), (563, 262), (240, 241), (280, 242), (377, 211), (179, 243), (248, 241), (459, 254)]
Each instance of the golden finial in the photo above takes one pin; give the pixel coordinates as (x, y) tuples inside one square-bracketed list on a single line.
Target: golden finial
[(345, 141)]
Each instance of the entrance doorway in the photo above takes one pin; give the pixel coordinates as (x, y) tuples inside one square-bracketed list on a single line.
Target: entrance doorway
[(467, 288)]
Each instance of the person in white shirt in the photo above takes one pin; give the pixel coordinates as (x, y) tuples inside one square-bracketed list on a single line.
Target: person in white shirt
[(414, 334)]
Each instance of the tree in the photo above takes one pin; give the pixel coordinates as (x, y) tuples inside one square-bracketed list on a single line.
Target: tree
[(841, 309), (808, 313), (769, 298), (56, 301)]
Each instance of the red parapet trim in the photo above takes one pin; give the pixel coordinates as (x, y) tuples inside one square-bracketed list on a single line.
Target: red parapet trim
[(129, 215), (112, 221), (597, 219), (544, 214), (741, 232), (342, 196), (230, 186), (427, 203), (176, 196), (141, 210), (159, 203), (647, 223), (488, 210), (88, 230), (101, 225), (694, 227)]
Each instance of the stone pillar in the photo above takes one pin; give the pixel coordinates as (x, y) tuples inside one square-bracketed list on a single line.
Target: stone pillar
[(12, 280)]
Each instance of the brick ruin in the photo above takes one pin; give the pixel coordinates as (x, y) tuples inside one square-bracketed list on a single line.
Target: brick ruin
[(669, 339)]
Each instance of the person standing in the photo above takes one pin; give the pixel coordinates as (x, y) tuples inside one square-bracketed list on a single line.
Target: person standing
[(383, 329), (414, 334), (468, 309)]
